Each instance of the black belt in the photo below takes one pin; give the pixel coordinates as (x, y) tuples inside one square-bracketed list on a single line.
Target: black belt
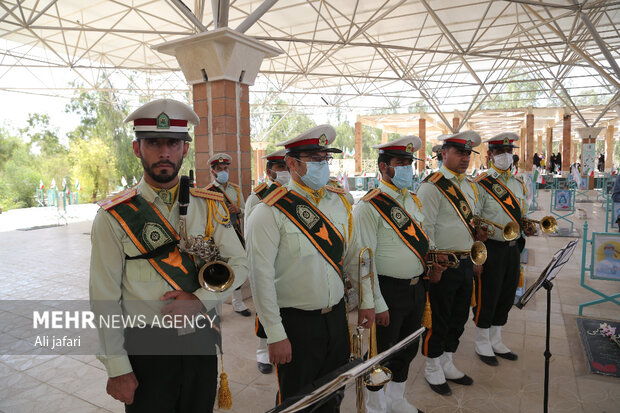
[(501, 243), (321, 311), (400, 281)]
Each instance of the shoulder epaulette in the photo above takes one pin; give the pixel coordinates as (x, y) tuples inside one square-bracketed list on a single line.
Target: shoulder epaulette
[(434, 177), (259, 188), (275, 195), (206, 194), (481, 177), (335, 189), (370, 195), (209, 186), (119, 198)]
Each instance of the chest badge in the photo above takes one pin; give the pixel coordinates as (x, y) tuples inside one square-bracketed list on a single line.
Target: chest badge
[(399, 216), (154, 235), (307, 216)]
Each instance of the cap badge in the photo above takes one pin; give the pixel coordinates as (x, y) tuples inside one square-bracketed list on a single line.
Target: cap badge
[(468, 145), (506, 141), (322, 140), (220, 159), (163, 121), (409, 147)]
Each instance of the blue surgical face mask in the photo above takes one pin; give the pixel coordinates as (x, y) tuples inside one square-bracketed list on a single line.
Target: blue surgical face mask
[(222, 177), (403, 175), (439, 163), (317, 175)]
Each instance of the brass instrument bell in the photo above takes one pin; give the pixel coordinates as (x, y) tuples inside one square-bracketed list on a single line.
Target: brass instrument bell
[(547, 224)]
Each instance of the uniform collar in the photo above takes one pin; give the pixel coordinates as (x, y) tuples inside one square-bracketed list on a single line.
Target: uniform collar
[(220, 185), (498, 172), (316, 196), (450, 174), (150, 193), (391, 188)]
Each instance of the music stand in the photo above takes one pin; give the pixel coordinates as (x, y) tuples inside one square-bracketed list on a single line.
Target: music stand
[(549, 273), (343, 377)]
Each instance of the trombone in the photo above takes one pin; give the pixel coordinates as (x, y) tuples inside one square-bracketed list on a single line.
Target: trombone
[(379, 375), (510, 231), (477, 254), (547, 224)]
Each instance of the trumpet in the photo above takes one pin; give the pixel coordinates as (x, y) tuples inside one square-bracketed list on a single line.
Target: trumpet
[(379, 375), (547, 224), (215, 275), (477, 254), (510, 231)]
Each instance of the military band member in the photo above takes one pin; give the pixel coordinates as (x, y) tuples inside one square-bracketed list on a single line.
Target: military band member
[(501, 200), (301, 242), (448, 205), (137, 269), (220, 162), (389, 220), (277, 175)]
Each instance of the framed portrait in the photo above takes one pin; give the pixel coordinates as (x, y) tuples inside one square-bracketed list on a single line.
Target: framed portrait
[(606, 256), (563, 200)]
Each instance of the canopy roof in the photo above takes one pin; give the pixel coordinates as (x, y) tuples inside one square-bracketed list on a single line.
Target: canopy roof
[(403, 55)]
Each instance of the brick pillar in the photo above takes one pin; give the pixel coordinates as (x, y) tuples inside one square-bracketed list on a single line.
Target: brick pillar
[(549, 145), (529, 140), (521, 151), (220, 65), (609, 147), (566, 138), (384, 137), (422, 152), (573, 152), (358, 147), (259, 162), (455, 122), (224, 127), (539, 146)]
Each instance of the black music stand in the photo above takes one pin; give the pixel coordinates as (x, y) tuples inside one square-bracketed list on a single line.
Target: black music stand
[(319, 392), (557, 262)]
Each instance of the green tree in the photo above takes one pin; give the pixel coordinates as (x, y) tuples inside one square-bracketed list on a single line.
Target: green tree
[(42, 136), (19, 179), (95, 164), (101, 117)]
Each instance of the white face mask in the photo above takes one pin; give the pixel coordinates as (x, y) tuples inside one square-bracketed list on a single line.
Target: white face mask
[(503, 161), (283, 177)]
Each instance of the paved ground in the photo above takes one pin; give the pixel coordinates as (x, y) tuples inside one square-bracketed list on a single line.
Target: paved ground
[(52, 264)]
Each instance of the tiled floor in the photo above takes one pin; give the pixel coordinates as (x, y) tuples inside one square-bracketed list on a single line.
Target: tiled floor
[(52, 263)]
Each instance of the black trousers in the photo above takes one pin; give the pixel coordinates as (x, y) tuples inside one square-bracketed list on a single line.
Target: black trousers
[(174, 384), (497, 285), (406, 305), (450, 300), (320, 344)]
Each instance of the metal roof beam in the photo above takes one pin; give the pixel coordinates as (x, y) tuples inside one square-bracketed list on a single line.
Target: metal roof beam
[(220, 12), (188, 13), (597, 38), (255, 15)]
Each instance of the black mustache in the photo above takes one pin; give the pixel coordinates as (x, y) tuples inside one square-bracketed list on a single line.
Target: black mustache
[(163, 163)]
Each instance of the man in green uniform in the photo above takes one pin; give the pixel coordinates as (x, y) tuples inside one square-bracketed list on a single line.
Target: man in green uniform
[(277, 175), (390, 222), (220, 163), (502, 200), (137, 269), (448, 205), (301, 243)]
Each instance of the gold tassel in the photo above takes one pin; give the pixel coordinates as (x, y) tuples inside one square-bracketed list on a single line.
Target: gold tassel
[(521, 278), (427, 319), (224, 398), (473, 294)]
